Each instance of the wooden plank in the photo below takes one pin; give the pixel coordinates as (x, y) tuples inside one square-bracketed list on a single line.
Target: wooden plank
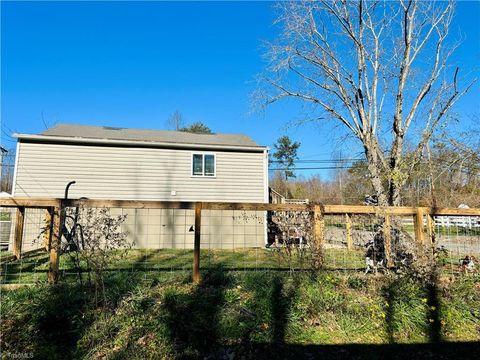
[(47, 235), (387, 238), (418, 224), (348, 223), (141, 204), (19, 225), (319, 226), (29, 202), (454, 211), (196, 250), (431, 228), (130, 204), (53, 271), (255, 206), (362, 209)]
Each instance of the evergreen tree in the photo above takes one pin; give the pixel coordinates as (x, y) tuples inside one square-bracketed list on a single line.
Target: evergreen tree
[(286, 154), (197, 128)]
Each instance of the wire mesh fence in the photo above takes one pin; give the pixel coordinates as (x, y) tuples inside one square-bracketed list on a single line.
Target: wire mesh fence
[(32, 263), (161, 241), (458, 238)]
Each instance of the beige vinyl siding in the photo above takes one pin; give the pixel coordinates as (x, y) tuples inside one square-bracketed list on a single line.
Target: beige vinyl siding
[(103, 172), (43, 170), (169, 228)]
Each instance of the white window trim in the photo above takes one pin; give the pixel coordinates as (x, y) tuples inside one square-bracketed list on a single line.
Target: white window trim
[(203, 153)]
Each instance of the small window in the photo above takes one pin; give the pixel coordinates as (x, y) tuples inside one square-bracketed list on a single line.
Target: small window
[(203, 165), (197, 164)]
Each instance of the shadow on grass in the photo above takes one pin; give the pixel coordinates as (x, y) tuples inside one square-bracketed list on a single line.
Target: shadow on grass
[(433, 313), (49, 320), (457, 350), (397, 291), (11, 271), (193, 318), (53, 313), (281, 301)]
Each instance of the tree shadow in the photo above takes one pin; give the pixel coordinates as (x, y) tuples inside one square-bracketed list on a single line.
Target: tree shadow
[(389, 294), (280, 301), (394, 292), (433, 313), (59, 316), (54, 312), (193, 318)]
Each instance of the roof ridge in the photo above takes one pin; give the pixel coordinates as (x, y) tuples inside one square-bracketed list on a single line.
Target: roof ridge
[(107, 127), (148, 135)]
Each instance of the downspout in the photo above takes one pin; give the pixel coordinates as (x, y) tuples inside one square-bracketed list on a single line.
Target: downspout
[(265, 186)]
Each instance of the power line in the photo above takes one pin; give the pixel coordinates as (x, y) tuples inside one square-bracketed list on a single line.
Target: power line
[(4, 126), (311, 168), (322, 161)]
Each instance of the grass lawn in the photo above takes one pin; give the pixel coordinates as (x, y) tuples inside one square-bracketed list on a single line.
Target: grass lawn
[(5, 253), (151, 262), (255, 314), (243, 308)]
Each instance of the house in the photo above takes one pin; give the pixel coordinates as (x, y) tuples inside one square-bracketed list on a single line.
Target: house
[(136, 164)]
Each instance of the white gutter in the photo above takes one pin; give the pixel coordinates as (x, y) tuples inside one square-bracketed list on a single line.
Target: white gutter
[(265, 174), (265, 184), (81, 140)]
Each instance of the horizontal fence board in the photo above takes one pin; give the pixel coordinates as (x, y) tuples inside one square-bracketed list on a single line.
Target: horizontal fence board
[(130, 204), (247, 206), (255, 206), (30, 202)]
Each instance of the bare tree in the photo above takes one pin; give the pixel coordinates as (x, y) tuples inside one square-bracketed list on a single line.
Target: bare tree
[(175, 121), (378, 68)]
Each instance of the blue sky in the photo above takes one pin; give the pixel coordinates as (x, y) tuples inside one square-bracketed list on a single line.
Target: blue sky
[(133, 64)]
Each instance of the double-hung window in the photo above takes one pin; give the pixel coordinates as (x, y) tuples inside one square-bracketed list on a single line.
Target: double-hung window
[(203, 164)]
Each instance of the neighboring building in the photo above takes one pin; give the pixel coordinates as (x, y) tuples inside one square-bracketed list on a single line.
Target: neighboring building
[(275, 197), (134, 164)]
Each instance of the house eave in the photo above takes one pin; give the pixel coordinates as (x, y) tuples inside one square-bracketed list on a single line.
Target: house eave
[(133, 143)]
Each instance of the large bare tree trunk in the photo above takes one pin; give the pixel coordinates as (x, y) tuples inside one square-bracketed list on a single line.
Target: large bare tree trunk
[(375, 67)]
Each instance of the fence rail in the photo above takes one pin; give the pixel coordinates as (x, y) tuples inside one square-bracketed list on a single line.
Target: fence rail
[(53, 207), (146, 204)]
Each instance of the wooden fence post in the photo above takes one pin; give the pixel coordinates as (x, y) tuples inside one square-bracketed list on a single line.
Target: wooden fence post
[(387, 238), (55, 242), (431, 228), (319, 226), (19, 224), (348, 222), (196, 250), (47, 235), (418, 223)]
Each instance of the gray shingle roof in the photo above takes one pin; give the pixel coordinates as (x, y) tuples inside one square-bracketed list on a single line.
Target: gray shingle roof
[(155, 136)]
